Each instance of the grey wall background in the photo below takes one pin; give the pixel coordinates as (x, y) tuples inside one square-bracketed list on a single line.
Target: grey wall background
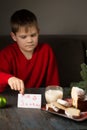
[(54, 16)]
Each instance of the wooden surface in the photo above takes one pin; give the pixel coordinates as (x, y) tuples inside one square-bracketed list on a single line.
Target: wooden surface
[(13, 118)]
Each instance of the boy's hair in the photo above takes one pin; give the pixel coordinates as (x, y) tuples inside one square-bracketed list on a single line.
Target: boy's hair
[(23, 18)]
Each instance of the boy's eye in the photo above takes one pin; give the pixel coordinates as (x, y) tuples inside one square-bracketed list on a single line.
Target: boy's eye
[(23, 37), (33, 35)]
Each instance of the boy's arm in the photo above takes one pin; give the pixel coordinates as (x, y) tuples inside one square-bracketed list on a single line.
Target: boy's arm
[(5, 77), (4, 80), (13, 82)]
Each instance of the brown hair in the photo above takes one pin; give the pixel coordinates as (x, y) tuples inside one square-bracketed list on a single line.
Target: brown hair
[(22, 18)]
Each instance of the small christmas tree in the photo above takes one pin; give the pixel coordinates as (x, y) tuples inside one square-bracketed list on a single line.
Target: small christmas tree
[(82, 84)]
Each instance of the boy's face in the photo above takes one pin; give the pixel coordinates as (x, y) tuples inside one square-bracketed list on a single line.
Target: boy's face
[(26, 40)]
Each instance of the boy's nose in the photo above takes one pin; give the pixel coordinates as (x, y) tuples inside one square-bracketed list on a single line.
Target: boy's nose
[(29, 39)]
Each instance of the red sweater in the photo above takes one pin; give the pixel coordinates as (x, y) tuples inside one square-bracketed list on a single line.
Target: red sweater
[(40, 70)]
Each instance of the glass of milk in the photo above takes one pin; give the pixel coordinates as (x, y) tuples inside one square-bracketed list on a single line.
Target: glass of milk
[(52, 93)]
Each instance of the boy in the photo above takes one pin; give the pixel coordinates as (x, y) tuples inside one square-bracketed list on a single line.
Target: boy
[(26, 63)]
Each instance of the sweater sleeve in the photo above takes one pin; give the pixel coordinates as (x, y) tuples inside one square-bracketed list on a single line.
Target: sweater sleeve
[(52, 70), (4, 69), (4, 80)]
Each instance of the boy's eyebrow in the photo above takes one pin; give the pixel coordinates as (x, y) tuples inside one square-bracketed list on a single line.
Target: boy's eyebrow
[(33, 34), (21, 35), (27, 35)]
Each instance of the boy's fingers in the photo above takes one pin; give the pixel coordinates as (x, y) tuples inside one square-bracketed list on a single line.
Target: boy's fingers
[(16, 84), (22, 89)]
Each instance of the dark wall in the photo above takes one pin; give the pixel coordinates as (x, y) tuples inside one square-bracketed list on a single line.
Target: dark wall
[(54, 16)]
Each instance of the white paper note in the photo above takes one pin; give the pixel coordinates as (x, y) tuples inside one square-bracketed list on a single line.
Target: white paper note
[(29, 101)]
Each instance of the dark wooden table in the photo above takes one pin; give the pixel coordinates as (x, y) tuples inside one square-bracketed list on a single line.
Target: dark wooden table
[(13, 118)]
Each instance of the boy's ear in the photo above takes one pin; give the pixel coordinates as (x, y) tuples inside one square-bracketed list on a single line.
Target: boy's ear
[(13, 36)]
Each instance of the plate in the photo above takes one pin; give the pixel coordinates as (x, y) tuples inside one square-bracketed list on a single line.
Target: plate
[(82, 117)]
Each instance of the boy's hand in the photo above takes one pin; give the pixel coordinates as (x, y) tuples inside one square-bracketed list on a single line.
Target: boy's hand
[(16, 84)]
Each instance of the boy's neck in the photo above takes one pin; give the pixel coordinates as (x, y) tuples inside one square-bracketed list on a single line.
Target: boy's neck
[(28, 55)]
